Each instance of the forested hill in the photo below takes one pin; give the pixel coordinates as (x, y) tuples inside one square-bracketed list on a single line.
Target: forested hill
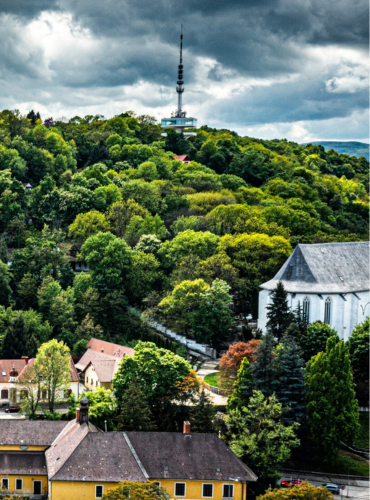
[(153, 229), (351, 148)]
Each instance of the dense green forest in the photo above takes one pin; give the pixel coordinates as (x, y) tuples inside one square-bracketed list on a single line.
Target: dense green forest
[(179, 241)]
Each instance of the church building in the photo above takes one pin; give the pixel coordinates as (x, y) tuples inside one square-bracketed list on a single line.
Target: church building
[(331, 282)]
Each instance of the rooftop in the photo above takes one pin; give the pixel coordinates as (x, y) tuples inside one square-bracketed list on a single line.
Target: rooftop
[(325, 268), (29, 432)]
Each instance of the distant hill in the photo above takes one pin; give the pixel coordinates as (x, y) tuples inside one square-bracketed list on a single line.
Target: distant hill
[(350, 148)]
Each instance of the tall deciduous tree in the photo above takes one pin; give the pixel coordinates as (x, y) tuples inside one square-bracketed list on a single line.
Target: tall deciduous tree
[(260, 438), (331, 404), (279, 315), (5, 290), (232, 360), (54, 359), (31, 381), (315, 338), (242, 387)]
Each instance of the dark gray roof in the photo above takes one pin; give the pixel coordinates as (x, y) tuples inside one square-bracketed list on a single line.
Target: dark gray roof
[(26, 463), (188, 456), (29, 432), (325, 268), (101, 457)]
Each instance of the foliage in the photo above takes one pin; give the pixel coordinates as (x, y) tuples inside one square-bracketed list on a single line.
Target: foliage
[(264, 369), (86, 225), (315, 338), (358, 345), (129, 490), (134, 413), (278, 314), (202, 414), (259, 437), (242, 390), (230, 362), (331, 405), (102, 407), (305, 491)]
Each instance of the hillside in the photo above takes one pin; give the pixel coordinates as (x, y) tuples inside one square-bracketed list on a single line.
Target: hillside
[(163, 236), (351, 148)]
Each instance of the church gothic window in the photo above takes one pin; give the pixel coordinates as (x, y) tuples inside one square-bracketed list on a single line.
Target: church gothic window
[(327, 313), (306, 308)]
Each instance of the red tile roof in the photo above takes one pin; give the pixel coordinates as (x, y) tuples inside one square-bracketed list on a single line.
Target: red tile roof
[(116, 350), (7, 364), (91, 355), (105, 369), (74, 373), (182, 158)]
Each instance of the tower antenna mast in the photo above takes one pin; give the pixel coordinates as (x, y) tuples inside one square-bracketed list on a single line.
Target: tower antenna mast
[(180, 81)]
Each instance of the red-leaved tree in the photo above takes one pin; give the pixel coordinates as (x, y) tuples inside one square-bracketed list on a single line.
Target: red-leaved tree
[(231, 361)]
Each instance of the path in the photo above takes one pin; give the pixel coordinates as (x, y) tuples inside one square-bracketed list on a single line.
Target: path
[(205, 369)]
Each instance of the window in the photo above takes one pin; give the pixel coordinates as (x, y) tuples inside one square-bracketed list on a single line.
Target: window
[(19, 484), (99, 490), (158, 483), (5, 483), (306, 309), (327, 314), (180, 489), (4, 394), (207, 490), (37, 487), (228, 491)]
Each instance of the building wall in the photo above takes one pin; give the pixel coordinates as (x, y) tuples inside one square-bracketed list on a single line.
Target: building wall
[(73, 490), (91, 379), (347, 310), (14, 447), (27, 482)]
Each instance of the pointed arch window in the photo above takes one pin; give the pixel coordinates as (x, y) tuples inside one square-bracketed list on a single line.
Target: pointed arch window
[(306, 309), (327, 312)]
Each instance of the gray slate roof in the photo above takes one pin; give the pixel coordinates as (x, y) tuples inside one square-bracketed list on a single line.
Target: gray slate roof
[(325, 268), (30, 432), (101, 456), (188, 456), (25, 463)]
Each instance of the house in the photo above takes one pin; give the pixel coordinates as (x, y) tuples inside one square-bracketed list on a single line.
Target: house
[(77, 461), (183, 158), (100, 362), (330, 281), (77, 264), (12, 371)]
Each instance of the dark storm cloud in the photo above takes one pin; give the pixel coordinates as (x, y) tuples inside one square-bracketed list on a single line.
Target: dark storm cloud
[(26, 8)]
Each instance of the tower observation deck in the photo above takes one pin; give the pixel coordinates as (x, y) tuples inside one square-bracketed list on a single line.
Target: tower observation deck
[(179, 121)]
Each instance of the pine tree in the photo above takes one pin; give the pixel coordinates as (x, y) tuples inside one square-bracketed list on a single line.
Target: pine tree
[(301, 319), (264, 368), (202, 414), (15, 340), (290, 388), (243, 387), (332, 408), (279, 315), (135, 413)]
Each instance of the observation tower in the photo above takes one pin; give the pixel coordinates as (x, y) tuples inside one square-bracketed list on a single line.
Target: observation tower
[(179, 121)]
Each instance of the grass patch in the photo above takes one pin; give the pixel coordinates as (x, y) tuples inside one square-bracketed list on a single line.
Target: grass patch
[(344, 463), (211, 379), (362, 439)]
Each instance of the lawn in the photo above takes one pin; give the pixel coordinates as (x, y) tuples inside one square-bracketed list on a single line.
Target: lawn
[(362, 439), (211, 379), (344, 463)]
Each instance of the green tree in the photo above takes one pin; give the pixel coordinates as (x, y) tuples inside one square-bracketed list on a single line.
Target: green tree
[(264, 369), (332, 408), (5, 290), (260, 438), (54, 359), (31, 381), (86, 225), (202, 414), (358, 345), (290, 387), (242, 388), (129, 490), (109, 259), (134, 413), (144, 274), (315, 338), (16, 340), (278, 312), (157, 371), (304, 491)]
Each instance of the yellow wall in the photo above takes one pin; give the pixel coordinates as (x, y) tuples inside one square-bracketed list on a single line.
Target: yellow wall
[(73, 490), (27, 482), (4, 447)]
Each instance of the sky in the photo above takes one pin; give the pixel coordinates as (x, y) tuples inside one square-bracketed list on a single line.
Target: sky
[(295, 69)]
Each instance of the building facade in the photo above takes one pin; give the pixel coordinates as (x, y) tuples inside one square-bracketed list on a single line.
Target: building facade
[(330, 281)]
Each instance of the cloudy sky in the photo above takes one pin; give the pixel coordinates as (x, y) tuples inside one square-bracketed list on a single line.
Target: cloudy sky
[(265, 68)]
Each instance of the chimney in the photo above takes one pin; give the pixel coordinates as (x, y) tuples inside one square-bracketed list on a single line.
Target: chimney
[(186, 429), (77, 415), (102, 349), (25, 359), (83, 414)]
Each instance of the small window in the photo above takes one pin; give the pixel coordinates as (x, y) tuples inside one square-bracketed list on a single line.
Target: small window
[(207, 490), (157, 483), (4, 394), (99, 490), (327, 313), (5, 483), (228, 491), (306, 309), (179, 489), (19, 484)]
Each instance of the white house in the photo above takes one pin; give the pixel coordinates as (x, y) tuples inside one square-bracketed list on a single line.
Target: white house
[(331, 281)]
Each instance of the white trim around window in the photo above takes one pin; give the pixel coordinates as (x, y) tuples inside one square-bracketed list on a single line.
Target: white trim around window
[(5, 481), (96, 490), (158, 483), (207, 496), (180, 496), (231, 487), (16, 481)]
